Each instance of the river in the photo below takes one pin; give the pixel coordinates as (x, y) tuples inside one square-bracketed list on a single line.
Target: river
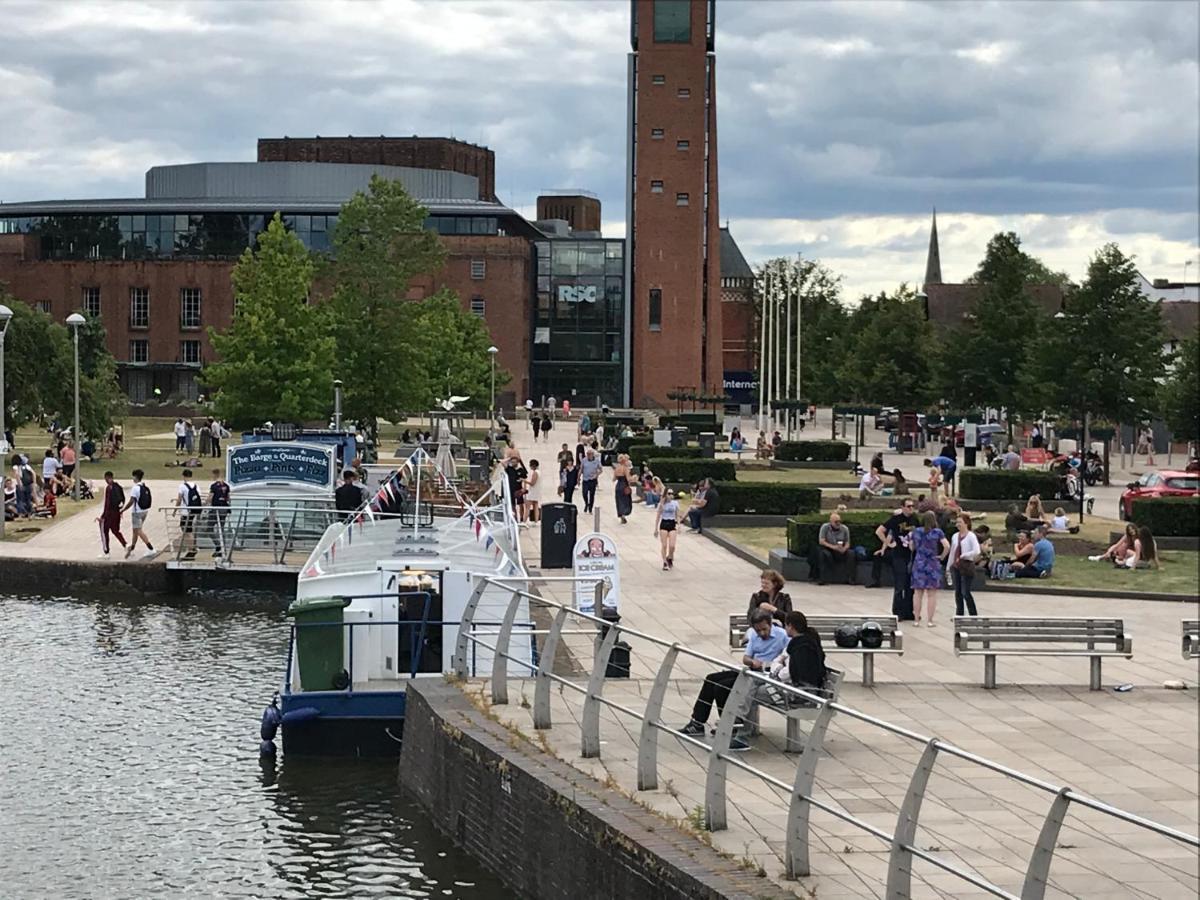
[(129, 735)]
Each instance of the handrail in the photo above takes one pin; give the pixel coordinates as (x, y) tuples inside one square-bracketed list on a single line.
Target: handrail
[(902, 840)]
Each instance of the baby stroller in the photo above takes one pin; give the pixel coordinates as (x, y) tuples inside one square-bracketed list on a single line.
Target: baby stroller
[(85, 490)]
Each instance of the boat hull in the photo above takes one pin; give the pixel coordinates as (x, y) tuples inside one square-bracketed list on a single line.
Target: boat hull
[(335, 723)]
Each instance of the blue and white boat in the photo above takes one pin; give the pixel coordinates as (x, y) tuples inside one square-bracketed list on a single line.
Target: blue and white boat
[(379, 602)]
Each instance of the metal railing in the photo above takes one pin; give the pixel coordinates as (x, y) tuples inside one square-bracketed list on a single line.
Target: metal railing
[(800, 791), (282, 527)]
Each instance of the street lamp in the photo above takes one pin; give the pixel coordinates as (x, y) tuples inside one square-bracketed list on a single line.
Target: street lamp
[(337, 404), (492, 351), (6, 315), (75, 320)]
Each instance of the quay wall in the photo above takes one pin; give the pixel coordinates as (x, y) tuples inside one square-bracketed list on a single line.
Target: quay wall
[(547, 829), (50, 577)]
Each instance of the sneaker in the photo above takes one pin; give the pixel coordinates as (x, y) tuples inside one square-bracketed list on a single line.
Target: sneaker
[(128, 552), (931, 624), (916, 623), (149, 553), (1096, 558), (102, 555), (1043, 574), (216, 553), (670, 562), (737, 745), (693, 728), (665, 566)]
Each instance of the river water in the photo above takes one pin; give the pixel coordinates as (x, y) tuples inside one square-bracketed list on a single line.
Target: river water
[(129, 740)]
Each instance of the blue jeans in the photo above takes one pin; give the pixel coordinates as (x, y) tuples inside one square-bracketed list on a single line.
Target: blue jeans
[(694, 518), (24, 499)]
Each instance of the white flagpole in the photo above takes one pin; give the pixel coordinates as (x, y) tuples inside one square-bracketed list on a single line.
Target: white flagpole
[(770, 350), (762, 354), (799, 335), (787, 337), (776, 381)]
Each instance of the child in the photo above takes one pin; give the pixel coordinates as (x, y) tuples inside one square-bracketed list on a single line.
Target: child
[(1060, 521)]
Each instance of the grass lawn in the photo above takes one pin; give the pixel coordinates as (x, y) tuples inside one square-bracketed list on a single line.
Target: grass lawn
[(839, 476), (760, 540)]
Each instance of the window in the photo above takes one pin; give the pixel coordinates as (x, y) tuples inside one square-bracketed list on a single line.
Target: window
[(672, 21), (683, 93), (659, 79), (479, 306), (655, 309), (479, 269), (91, 302), (189, 307), (656, 134), (681, 145), (681, 199), (189, 352), (139, 307), (139, 351), (656, 187), (44, 306)]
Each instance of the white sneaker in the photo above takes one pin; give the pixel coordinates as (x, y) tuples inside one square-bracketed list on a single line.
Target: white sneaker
[(149, 553), (102, 555), (1095, 558)]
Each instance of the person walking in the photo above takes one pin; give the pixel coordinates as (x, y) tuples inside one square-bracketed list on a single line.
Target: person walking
[(929, 549), (536, 424), (894, 536), (189, 504), (589, 477), (547, 424), (533, 492), (666, 521), (568, 480), (25, 478), (622, 475), (218, 500), (139, 506), (962, 561), (110, 514), (189, 437)]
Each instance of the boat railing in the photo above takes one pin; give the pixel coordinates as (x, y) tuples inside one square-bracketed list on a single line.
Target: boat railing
[(799, 793)]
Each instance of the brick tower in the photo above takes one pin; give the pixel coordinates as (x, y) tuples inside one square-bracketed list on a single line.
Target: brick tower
[(673, 315)]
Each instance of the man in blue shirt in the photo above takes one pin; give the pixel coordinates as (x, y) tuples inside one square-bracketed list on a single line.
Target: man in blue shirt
[(1042, 563), (948, 467), (766, 640), (589, 477)]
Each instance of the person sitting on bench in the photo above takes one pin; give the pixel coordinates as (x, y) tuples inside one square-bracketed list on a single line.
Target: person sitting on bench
[(834, 551), (803, 665)]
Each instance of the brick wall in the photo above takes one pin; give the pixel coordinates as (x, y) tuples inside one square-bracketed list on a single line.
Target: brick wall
[(582, 213), (740, 337)]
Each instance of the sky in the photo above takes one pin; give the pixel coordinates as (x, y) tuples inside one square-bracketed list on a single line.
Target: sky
[(840, 125)]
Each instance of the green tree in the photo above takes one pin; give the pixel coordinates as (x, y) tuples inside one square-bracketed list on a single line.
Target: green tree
[(1107, 351), (380, 245), (454, 346), (890, 352), (1180, 400), (276, 359), (101, 400)]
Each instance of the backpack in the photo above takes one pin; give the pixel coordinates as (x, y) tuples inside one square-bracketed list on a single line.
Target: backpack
[(26, 475), (193, 497), (144, 500)]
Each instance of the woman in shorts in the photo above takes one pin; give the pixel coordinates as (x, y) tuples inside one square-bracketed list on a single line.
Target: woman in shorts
[(666, 521)]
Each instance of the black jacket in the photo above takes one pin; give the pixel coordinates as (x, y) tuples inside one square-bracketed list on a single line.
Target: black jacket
[(782, 604), (806, 659)]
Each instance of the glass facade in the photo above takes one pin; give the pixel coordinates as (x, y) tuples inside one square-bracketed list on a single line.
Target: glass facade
[(672, 21), (191, 235), (579, 321)]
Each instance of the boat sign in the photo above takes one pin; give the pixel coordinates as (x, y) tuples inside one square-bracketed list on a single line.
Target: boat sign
[(280, 463), (595, 559)]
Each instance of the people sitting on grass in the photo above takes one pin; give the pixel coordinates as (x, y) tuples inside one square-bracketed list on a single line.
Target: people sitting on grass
[(1061, 523), (10, 499), (870, 485), (1016, 521), (1034, 510), (1041, 565), (762, 450), (1119, 549), (770, 597), (48, 507), (1142, 555)]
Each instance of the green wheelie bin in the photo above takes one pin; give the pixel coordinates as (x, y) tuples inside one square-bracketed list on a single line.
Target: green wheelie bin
[(319, 642)]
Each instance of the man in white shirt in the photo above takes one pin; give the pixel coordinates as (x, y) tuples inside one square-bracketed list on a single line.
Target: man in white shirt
[(50, 469), (180, 436), (190, 505), (870, 486)]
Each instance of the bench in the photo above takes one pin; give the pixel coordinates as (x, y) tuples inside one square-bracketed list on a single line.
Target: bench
[(1191, 638), (825, 626), (992, 636), (793, 709)]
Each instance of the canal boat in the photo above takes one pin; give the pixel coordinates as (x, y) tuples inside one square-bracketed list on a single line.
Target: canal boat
[(379, 601)]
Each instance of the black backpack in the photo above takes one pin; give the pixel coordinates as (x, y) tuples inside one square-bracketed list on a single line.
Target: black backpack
[(193, 497), (144, 500)]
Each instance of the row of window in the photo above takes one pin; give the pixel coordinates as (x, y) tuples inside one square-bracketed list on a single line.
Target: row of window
[(656, 134), (139, 306), (682, 93), (189, 352)]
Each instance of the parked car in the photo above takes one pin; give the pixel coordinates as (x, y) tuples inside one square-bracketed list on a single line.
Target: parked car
[(985, 434), (883, 418), (1159, 484)]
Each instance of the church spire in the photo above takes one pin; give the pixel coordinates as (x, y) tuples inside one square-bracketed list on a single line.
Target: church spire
[(933, 263)]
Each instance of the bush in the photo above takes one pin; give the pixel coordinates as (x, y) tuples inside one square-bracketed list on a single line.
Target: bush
[(802, 531), (623, 444), (768, 499), (992, 484), (825, 451), (640, 453), (1168, 516), (695, 422), (691, 470)]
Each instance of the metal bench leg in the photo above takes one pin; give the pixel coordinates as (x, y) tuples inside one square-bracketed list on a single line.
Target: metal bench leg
[(989, 672), (795, 737), (1094, 682), (868, 669)]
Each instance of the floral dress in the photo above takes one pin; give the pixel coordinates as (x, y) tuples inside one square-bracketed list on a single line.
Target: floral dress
[(926, 567)]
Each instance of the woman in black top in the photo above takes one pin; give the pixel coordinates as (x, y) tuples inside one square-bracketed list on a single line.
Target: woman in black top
[(771, 597)]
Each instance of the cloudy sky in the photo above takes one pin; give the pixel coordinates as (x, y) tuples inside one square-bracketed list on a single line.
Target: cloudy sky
[(840, 124)]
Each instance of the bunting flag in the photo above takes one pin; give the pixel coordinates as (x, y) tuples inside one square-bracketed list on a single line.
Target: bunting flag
[(488, 542), (478, 528), (313, 571)]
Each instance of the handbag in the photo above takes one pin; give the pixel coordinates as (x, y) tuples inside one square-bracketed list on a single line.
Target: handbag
[(966, 568)]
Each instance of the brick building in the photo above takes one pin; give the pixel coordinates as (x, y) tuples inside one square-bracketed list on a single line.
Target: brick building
[(740, 337)]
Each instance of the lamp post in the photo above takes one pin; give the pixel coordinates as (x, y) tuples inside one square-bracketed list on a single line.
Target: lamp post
[(75, 320), (337, 404), (762, 356), (6, 315), (492, 351)]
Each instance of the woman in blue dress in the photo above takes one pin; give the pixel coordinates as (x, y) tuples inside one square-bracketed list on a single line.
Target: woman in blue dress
[(929, 546)]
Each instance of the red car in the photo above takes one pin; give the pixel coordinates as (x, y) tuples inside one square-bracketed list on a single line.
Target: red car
[(1159, 484)]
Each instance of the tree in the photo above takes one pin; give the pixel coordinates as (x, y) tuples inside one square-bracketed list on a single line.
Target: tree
[(1180, 396), (276, 358), (890, 352), (1003, 250), (455, 345), (380, 245), (1107, 353)]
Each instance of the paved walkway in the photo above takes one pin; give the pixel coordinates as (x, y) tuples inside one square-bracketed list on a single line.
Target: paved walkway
[(1137, 750)]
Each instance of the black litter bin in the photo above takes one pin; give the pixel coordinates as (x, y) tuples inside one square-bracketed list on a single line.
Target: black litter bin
[(679, 436), (969, 456), (558, 534), (479, 459), (708, 445)]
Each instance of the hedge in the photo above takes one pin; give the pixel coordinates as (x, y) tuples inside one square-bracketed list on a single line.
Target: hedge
[(691, 470), (767, 499), (1168, 516), (640, 453), (802, 531), (694, 422), (825, 451), (993, 484)]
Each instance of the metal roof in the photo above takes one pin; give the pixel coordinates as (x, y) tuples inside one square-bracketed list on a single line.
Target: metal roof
[(138, 206), (733, 263)]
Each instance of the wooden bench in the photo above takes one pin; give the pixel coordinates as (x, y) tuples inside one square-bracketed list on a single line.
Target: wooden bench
[(793, 709), (1191, 638), (992, 636), (825, 626)]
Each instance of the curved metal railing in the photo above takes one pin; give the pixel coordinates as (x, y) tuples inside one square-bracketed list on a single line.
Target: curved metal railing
[(802, 799)]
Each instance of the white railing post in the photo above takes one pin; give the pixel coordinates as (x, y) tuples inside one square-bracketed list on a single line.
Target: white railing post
[(541, 690), (796, 846), (714, 783), (464, 629), (1038, 872), (647, 771), (899, 882), (589, 720), (500, 656)]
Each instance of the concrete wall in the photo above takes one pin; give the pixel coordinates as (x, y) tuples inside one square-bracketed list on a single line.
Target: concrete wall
[(547, 829)]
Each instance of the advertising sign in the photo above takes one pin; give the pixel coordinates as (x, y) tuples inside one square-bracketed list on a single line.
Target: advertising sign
[(595, 558), (741, 387), (577, 293), (280, 463)]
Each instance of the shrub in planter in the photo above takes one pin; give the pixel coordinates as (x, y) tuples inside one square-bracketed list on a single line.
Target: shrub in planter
[(767, 499), (992, 484), (691, 470), (825, 451), (1168, 516), (803, 531), (640, 454)]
